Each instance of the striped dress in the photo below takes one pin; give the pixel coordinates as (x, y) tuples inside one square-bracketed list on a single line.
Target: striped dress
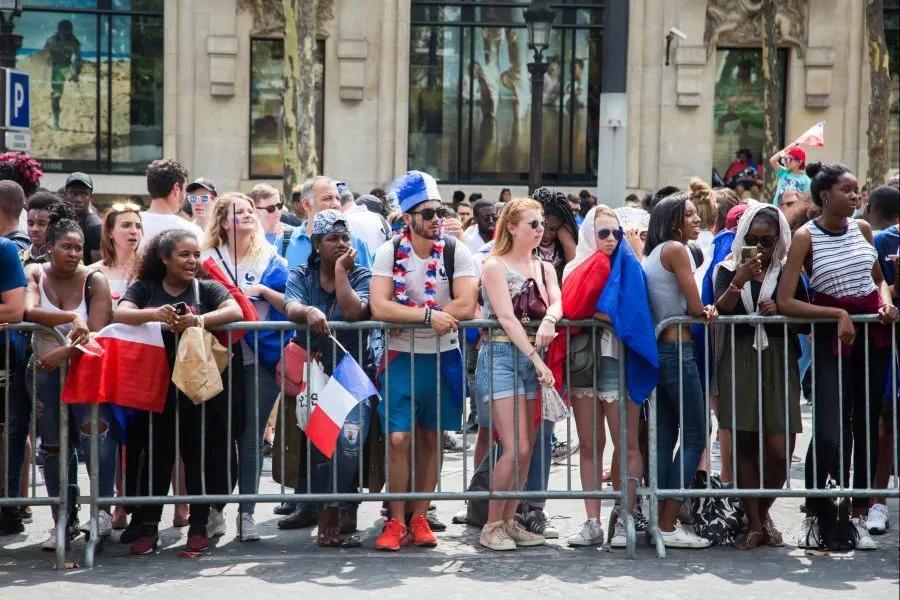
[(841, 262)]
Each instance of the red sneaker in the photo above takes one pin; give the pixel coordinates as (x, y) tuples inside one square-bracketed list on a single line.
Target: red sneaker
[(421, 532), (147, 542), (197, 541), (393, 536)]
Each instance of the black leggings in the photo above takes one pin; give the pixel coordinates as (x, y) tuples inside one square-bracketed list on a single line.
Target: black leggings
[(191, 445), (858, 438)]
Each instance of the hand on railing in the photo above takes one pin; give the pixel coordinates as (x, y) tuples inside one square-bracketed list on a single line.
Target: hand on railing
[(888, 314)]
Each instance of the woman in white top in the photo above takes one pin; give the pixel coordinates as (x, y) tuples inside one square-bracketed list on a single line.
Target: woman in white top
[(236, 242), (121, 237), (73, 299)]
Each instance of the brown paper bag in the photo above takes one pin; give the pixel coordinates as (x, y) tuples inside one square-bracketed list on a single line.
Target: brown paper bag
[(199, 363)]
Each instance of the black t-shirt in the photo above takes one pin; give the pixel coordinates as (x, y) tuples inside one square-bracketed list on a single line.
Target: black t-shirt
[(724, 278), (92, 228)]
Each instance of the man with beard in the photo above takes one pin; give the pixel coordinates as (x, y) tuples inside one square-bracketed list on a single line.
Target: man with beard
[(419, 277), (485, 214)]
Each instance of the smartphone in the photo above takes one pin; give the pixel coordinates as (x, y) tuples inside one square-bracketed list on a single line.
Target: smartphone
[(181, 308), (748, 253)]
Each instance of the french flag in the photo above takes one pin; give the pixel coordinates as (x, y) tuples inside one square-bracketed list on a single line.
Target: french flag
[(348, 386), (814, 136), (125, 365)]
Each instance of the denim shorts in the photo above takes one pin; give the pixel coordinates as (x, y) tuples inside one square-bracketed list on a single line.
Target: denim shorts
[(506, 360), (607, 381)]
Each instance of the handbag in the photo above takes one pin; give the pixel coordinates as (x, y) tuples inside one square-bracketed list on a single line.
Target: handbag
[(528, 304), (581, 359), (289, 370)]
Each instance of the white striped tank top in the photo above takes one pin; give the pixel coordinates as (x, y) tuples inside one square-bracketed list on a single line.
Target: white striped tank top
[(841, 262)]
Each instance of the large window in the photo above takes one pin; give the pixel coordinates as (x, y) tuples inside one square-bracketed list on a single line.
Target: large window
[(267, 107), (470, 92), (738, 121), (892, 39), (96, 82)]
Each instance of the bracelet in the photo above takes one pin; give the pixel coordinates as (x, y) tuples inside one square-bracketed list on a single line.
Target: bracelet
[(530, 354), (550, 318), (428, 315), (731, 286)]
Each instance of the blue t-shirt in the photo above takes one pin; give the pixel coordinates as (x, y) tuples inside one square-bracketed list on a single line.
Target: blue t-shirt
[(12, 275), (788, 180), (303, 287), (300, 247), (887, 243)]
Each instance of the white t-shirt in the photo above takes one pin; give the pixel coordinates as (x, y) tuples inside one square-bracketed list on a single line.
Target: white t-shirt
[(426, 339), (156, 223), (473, 239), (367, 225)]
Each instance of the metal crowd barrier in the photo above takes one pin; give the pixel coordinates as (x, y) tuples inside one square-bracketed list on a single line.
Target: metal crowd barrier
[(726, 324), (11, 498), (440, 493)]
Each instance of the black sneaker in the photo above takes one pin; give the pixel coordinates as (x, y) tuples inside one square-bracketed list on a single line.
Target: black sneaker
[(10, 523), (132, 532), (471, 427)]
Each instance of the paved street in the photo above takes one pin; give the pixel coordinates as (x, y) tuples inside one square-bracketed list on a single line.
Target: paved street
[(289, 563)]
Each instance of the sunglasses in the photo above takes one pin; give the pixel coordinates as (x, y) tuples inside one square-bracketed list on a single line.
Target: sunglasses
[(271, 208), (766, 241), (605, 233), (535, 223), (125, 207), (203, 198), (430, 213)]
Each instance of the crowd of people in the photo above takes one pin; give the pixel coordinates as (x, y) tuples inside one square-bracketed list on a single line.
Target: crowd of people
[(404, 256)]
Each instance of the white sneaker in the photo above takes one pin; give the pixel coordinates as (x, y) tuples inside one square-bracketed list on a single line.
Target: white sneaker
[(50, 543), (590, 534), (618, 539), (215, 524), (864, 541), (681, 538), (521, 536), (246, 528), (878, 519), (104, 524), (495, 537), (809, 534)]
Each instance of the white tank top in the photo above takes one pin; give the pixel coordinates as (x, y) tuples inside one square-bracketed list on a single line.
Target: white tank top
[(44, 342), (841, 262)]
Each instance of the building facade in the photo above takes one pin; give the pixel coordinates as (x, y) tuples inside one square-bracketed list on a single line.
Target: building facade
[(442, 87)]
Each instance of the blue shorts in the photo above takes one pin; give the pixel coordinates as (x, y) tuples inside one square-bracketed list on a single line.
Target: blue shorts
[(607, 381), (506, 360), (398, 399)]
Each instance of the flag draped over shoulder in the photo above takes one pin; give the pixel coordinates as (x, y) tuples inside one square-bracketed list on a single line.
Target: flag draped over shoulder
[(624, 299), (126, 365), (349, 385), (247, 309)]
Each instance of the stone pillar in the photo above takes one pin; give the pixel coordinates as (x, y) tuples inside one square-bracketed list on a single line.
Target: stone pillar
[(612, 142)]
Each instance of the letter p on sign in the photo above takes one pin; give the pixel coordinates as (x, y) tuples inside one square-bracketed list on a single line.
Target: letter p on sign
[(17, 100)]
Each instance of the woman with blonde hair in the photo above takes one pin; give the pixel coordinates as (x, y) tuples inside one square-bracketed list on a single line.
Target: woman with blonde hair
[(703, 198), (512, 385), (235, 241)]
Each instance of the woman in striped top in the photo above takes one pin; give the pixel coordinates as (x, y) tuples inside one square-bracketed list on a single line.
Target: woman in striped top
[(845, 278)]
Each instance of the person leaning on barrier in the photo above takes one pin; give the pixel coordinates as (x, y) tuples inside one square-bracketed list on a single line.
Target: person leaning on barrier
[(332, 287), (170, 274), (235, 241), (510, 359), (838, 256), (673, 293), (12, 310), (748, 286), (412, 283), (75, 300)]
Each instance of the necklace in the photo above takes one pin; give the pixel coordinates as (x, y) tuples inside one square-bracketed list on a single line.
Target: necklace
[(401, 260)]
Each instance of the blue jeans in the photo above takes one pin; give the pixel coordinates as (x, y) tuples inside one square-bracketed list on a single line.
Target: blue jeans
[(806, 354), (48, 394), (340, 473), (694, 433), (538, 474), (257, 408)]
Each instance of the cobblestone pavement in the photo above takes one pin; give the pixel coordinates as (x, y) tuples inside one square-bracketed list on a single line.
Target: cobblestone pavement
[(289, 563)]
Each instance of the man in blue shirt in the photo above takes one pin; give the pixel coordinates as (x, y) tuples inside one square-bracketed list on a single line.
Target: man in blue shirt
[(318, 194), (12, 310)]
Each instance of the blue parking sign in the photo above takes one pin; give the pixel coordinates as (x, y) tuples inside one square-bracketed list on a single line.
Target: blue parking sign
[(18, 100)]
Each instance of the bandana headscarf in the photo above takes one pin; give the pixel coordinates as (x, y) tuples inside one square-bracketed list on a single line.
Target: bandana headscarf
[(629, 218), (731, 263)]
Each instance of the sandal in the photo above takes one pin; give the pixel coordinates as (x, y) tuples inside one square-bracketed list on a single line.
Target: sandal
[(774, 539), (329, 534), (753, 539), (351, 541)]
